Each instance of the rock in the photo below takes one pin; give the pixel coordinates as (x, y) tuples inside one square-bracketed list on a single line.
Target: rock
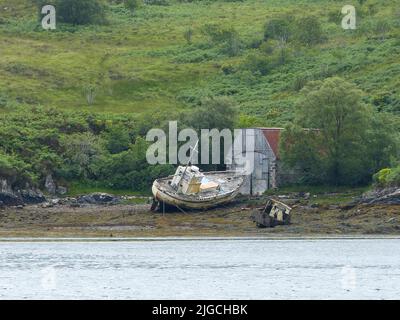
[(19, 207), (74, 205), (98, 198), (292, 202), (305, 195), (7, 196), (55, 202), (10, 199), (47, 205), (382, 196), (61, 190), (347, 206), (50, 185), (32, 196)]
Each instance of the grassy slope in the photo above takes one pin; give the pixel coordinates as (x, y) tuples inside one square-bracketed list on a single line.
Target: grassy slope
[(143, 58)]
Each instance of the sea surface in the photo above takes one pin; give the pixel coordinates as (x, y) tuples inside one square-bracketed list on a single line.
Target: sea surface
[(201, 269)]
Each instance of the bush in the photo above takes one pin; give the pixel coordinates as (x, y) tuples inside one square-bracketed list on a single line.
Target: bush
[(216, 112), (81, 151), (79, 12), (394, 177), (309, 31), (257, 64), (132, 5), (117, 139), (188, 34), (157, 2), (228, 38), (306, 30), (388, 177), (3, 100), (380, 178), (352, 140), (280, 28)]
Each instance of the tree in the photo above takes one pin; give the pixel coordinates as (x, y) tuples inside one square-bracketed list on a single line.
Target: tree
[(132, 5), (280, 28), (339, 145), (81, 151), (117, 139), (309, 30), (216, 112), (227, 37), (79, 12), (188, 34), (14, 170), (130, 169)]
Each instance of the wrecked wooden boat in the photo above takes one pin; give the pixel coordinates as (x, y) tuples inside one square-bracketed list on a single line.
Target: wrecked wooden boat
[(189, 188), (274, 213)]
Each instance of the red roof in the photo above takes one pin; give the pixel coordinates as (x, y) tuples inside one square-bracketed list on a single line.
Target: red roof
[(273, 135)]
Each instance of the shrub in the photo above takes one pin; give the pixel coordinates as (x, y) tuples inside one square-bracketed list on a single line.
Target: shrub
[(90, 92), (393, 178), (388, 177), (216, 112), (117, 139), (257, 64), (79, 12), (309, 31), (82, 150), (132, 5), (229, 38), (381, 28), (306, 30), (335, 16), (280, 28), (380, 178), (157, 2), (352, 139), (14, 170), (3, 100), (188, 34)]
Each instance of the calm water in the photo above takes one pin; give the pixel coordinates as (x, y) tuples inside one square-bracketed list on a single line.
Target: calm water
[(215, 269)]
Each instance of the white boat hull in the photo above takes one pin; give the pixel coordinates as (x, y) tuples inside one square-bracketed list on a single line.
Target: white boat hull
[(200, 201)]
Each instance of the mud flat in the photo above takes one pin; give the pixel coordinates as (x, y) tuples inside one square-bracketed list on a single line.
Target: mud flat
[(136, 220)]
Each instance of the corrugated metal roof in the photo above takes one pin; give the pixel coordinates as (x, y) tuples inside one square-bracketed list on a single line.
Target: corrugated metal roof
[(273, 135)]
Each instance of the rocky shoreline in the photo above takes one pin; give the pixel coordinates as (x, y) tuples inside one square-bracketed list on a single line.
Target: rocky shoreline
[(104, 215), (19, 198)]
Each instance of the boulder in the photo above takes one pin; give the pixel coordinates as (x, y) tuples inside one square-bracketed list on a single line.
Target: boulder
[(7, 196), (61, 190), (382, 196), (98, 198), (50, 185), (32, 196)]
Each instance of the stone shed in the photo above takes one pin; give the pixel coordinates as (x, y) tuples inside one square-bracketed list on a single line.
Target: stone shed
[(268, 170)]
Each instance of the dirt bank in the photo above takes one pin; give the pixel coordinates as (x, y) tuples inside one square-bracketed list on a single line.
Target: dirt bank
[(328, 217)]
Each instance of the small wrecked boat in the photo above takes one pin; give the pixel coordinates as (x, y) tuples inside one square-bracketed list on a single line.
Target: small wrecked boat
[(272, 214), (189, 188)]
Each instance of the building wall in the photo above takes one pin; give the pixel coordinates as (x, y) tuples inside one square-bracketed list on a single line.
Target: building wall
[(263, 176)]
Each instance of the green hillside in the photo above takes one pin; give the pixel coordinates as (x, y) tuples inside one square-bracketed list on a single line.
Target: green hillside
[(166, 56), (141, 61)]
